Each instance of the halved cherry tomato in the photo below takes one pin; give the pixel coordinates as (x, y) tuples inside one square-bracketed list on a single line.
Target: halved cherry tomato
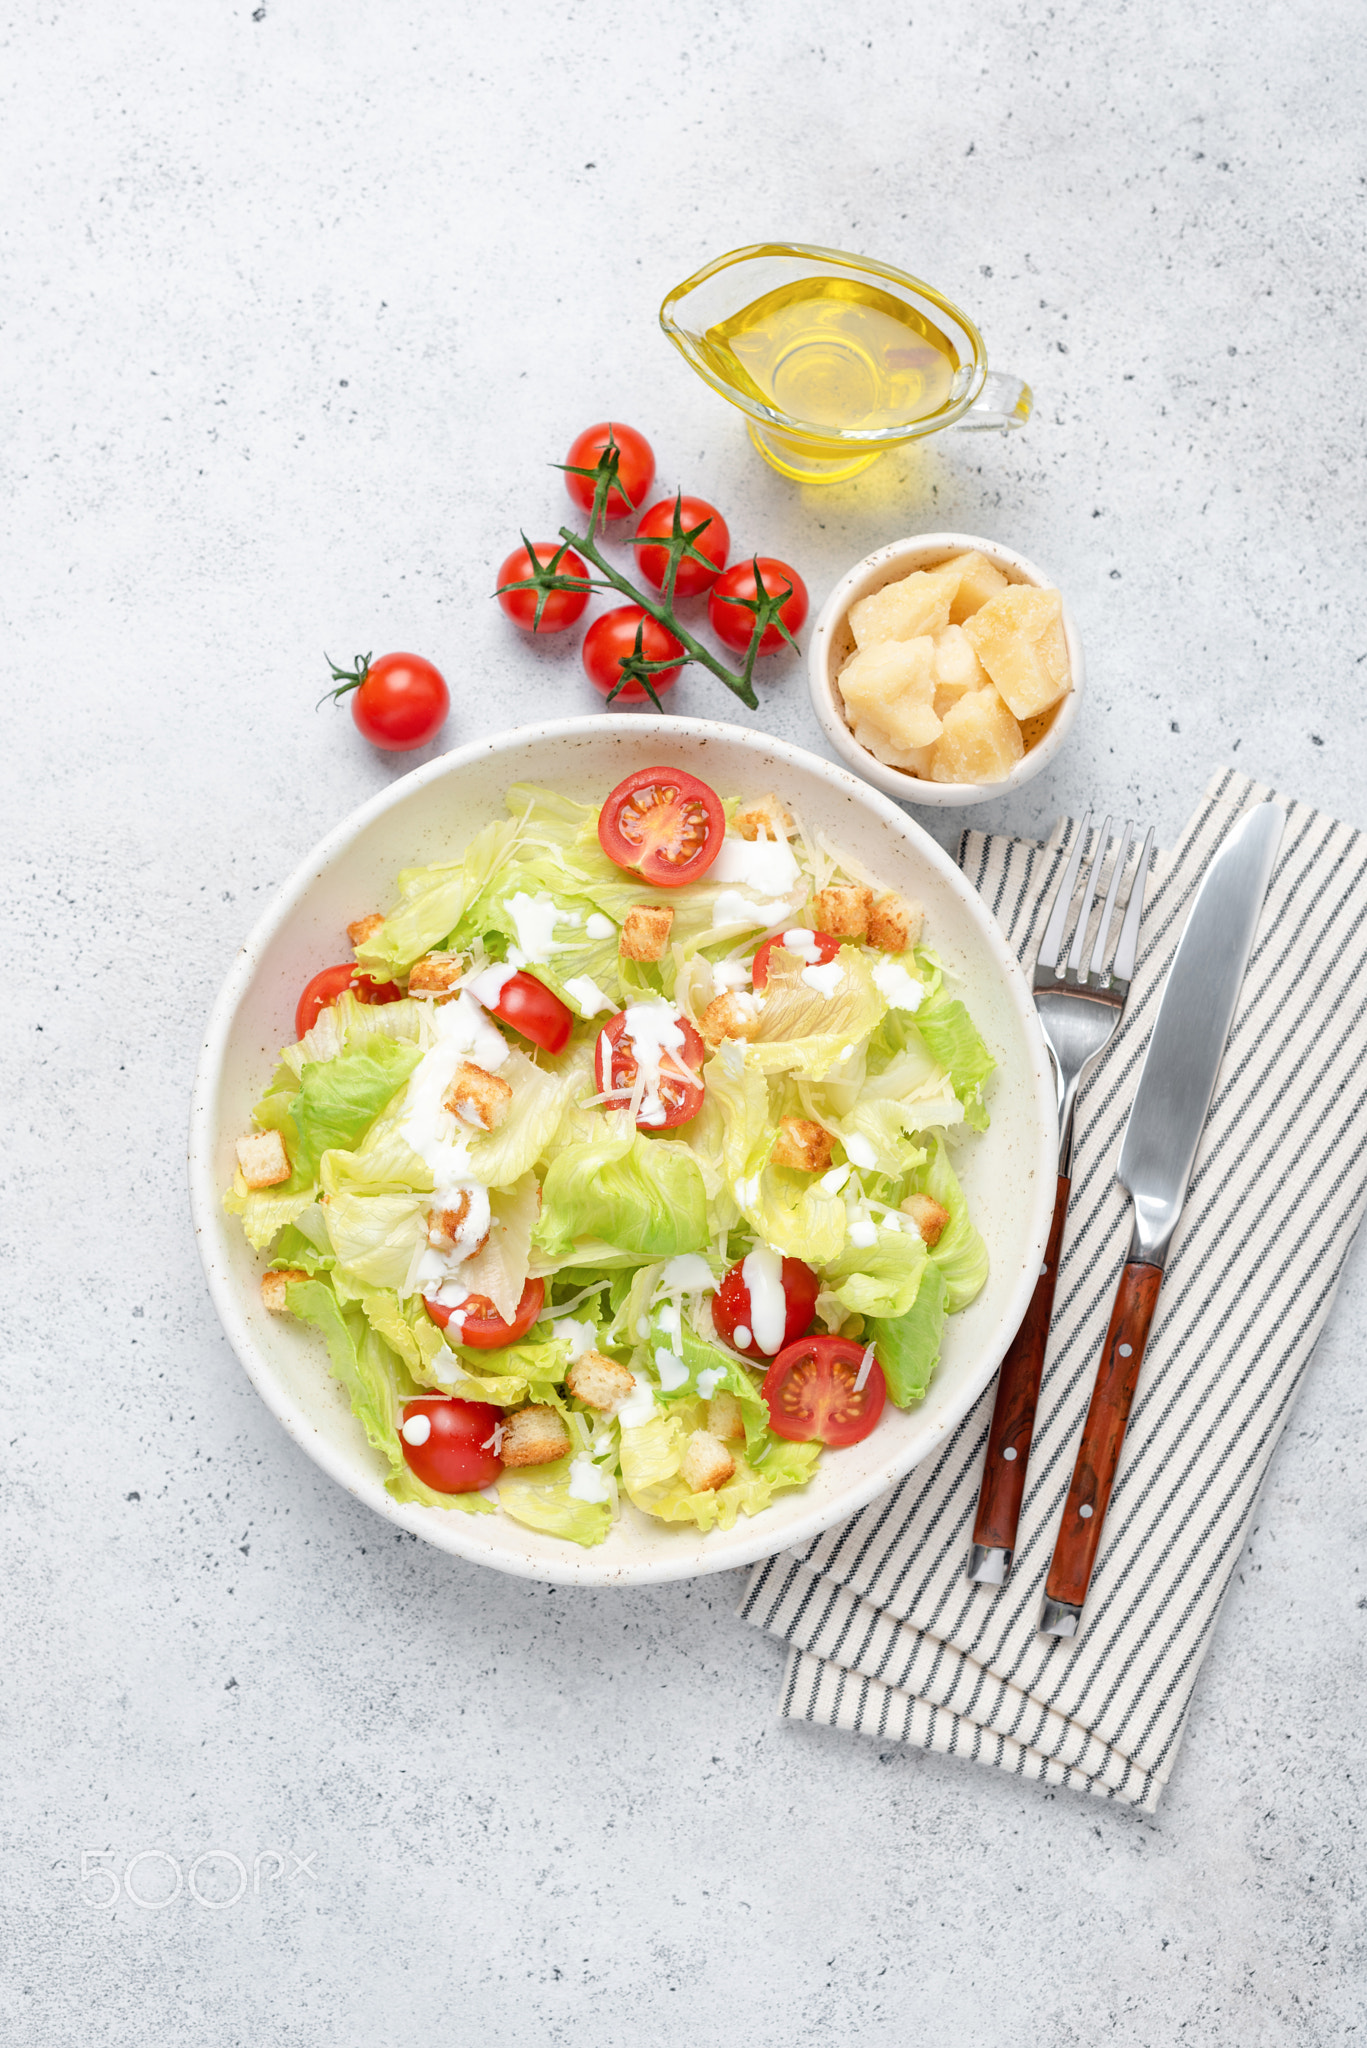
[(562, 607), (714, 541), (456, 1455), (731, 1310), (479, 1323), (826, 947), (733, 624), (528, 1005), (611, 638), (664, 824), (810, 1393), (325, 988), (681, 1095), (635, 468)]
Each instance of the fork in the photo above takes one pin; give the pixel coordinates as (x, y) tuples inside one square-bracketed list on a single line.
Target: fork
[(1080, 1013)]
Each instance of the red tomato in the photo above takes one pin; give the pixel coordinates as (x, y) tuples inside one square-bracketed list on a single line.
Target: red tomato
[(399, 701), (325, 988), (681, 1094), (733, 625), (528, 1005), (456, 1455), (731, 1306), (561, 608), (664, 824), (611, 638), (809, 1390), (479, 1323), (714, 541), (635, 468), (826, 946)]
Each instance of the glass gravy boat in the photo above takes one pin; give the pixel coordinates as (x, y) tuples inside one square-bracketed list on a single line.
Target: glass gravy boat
[(834, 358)]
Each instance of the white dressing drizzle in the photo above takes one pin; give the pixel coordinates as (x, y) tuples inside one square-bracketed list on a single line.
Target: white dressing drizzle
[(635, 1409), (825, 980), (708, 1378), (587, 994), (586, 1481), (535, 918), (896, 986), (762, 1272), (653, 1032), (580, 1337), (767, 866), (859, 1151), (688, 1273), (598, 926)]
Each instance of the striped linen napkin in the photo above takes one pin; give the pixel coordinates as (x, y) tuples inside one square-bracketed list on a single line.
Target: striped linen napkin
[(887, 1636)]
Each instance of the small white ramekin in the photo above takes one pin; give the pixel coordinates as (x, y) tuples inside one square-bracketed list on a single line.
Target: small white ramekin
[(832, 643)]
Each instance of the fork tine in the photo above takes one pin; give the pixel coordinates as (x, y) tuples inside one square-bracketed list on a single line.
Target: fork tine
[(1103, 930), (1089, 896), (1051, 944), (1125, 952)]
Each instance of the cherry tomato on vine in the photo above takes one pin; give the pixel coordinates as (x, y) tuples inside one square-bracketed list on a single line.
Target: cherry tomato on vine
[(531, 1008), (714, 541), (479, 1324), (561, 608), (825, 945), (397, 702), (681, 1092), (733, 624), (325, 988), (810, 1392), (611, 638), (635, 468), (732, 1310), (454, 1454), (663, 824)]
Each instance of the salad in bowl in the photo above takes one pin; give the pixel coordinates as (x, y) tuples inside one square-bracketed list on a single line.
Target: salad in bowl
[(621, 1163)]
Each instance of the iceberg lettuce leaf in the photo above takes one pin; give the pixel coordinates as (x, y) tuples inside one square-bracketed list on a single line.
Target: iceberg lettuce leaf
[(880, 1279), (433, 902), (540, 1497), (952, 1039), (908, 1346), (640, 1194), (960, 1254)]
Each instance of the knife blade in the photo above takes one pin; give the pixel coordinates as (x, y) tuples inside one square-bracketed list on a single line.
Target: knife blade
[(1159, 1150)]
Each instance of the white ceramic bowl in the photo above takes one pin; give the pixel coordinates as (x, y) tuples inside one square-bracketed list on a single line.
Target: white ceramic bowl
[(832, 644), (1008, 1173)]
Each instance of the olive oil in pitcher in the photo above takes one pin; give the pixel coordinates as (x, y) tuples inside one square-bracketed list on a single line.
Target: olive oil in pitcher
[(836, 352)]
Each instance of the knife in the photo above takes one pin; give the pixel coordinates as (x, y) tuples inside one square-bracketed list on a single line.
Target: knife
[(1168, 1115)]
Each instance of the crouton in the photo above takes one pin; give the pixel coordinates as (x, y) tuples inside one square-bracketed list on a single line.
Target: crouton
[(725, 1416), (928, 1215), (843, 910), (444, 1228), (732, 1015), (273, 1287), (802, 1144), (262, 1159), (434, 973), (477, 1097), (707, 1464), (645, 932), (364, 927), (599, 1382), (894, 924), (534, 1436), (763, 818)]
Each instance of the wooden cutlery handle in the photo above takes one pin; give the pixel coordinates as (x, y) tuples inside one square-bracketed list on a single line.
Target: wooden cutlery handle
[(1103, 1435), (1013, 1417)]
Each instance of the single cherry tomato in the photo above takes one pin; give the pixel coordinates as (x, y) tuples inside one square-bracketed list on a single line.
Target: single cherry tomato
[(663, 824), (611, 638), (398, 702), (681, 1094), (826, 949), (529, 1006), (456, 1454), (733, 624), (731, 1307), (635, 468), (325, 988), (714, 541), (560, 607), (810, 1393), (478, 1322)]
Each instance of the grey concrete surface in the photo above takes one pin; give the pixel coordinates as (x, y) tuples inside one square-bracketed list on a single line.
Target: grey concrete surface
[(299, 300)]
